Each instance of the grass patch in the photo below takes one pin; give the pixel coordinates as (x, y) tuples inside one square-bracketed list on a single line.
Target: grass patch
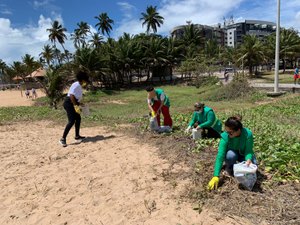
[(29, 113), (268, 77)]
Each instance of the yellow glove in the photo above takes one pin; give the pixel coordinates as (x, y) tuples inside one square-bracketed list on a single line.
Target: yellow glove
[(213, 183), (153, 114), (77, 109)]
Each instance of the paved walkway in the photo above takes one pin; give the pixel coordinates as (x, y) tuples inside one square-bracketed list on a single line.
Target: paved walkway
[(271, 85)]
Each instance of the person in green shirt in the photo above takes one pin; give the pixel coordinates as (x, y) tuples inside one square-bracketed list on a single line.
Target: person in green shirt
[(204, 118), (236, 144), (158, 102)]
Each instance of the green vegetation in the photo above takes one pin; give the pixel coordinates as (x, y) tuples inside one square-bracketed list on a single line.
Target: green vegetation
[(275, 125), (29, 113), (268, 77)]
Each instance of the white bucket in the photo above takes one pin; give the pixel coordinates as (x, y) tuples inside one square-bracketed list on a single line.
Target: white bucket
[(245, 175), (196, 134), (85, 110)]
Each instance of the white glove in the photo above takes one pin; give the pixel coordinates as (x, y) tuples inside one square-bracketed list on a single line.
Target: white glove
[(188, 129)]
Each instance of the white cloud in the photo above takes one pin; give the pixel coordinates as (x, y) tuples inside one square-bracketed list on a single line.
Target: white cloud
[(127, 9), (46, 5), (16, 42), (4, 10), (208, 12), (267, 10), (176, 13), (128, 26), (41, 4)]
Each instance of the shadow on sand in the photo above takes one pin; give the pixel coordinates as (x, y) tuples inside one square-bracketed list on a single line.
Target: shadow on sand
[(97, 138)]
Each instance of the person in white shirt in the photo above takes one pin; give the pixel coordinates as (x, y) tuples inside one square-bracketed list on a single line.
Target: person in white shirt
[(72, 107), (34, 94)]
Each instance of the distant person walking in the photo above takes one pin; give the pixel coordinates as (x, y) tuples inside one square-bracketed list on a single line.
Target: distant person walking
[(72, 106), (296, 75), (226, 76), (34, 94), (27, 93)]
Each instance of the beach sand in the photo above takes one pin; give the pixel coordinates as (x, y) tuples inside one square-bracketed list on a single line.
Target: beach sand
[(14, 98), (108, 179)]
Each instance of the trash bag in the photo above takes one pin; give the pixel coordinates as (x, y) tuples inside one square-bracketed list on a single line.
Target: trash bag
[(85, 110), (197, 134), (153, 124), (164, 129), (245, 175)]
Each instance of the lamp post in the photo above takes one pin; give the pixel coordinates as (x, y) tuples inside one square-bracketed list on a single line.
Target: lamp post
[(277, 48)]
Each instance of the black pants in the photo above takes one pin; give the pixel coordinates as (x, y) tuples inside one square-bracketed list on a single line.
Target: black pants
[(73, 117), (210, 133)]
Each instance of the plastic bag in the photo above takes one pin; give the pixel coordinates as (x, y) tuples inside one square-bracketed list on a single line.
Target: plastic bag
[(85, 110), (245, 175), (153, 124), (197, 134), (164, 129)]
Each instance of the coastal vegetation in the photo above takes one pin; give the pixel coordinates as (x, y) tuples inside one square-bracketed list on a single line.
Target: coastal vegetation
[(120, 68)]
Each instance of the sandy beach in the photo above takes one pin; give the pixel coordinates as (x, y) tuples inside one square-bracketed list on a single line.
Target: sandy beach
[(16, 98), (109, 179)]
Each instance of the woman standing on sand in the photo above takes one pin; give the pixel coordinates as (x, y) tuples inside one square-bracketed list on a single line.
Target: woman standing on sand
[(72, 107)]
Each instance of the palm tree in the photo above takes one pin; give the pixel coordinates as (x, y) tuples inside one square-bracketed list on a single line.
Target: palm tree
[(47, 54), (30, 63), (211, 49), (80, 34), (192, 35), (251, 52), (289, 46), (19, 69), (155, 57), (96, 40), (3, 68), (54, 84), (104, 23), (57, 33), (152, 19), (173, 52)]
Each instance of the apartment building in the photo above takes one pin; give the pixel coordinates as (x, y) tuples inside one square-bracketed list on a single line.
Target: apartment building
[(230, 34), (236, 31)]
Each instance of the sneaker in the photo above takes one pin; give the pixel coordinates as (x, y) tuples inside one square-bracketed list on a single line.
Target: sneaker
[(63, 142), (79, 139)]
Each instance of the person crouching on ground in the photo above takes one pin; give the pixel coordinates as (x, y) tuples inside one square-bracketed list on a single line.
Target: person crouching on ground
[(205, 119), (158, 102), (72, 107), (236, 144)]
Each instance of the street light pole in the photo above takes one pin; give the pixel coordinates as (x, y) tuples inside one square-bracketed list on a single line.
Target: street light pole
[(277, 48)]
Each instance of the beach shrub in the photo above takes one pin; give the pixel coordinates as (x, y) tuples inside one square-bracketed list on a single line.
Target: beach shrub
[(237, 88)]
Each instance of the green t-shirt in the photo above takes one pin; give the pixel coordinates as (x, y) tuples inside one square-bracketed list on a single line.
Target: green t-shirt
[(158, 93), (242, 145)]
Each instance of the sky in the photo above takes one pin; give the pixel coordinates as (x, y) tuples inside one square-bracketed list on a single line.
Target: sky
[(23, 23)]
